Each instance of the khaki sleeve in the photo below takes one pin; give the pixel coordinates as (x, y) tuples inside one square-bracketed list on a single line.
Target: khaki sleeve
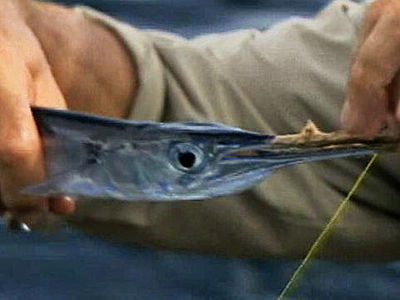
[(268, 81)]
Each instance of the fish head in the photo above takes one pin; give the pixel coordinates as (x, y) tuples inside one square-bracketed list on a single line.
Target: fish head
[(94, 157), (200, 160)]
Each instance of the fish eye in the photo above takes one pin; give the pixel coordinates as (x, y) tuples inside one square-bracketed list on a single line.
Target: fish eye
[(187, 159), (186, 156)]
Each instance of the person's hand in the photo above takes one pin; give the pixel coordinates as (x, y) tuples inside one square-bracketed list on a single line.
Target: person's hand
[(373, 92), (26, 80), (50, 56)]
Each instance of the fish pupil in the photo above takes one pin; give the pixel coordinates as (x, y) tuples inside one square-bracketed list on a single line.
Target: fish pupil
[(187, 159)]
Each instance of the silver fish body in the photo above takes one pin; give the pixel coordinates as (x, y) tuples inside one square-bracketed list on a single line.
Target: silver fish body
[(95, 157)]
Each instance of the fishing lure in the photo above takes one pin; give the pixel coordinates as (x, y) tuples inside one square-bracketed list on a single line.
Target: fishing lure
[(95, 157)]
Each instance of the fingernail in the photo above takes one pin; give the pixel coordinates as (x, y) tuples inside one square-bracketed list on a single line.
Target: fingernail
[(62, 206)]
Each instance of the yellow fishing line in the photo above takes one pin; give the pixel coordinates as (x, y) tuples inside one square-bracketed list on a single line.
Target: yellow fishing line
[(318, 244)]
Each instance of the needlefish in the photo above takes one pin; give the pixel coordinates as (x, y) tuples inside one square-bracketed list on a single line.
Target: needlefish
[(89, 156)]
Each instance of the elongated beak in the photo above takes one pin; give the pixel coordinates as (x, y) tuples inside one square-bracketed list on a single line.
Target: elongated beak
[(281, 156), (295, 156), (311, 144)]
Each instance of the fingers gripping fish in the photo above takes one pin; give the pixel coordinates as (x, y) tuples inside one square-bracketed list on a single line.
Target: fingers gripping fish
[(95, 157)]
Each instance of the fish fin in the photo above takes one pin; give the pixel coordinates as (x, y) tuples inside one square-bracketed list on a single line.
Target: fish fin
[(89, 181), (48, 188)]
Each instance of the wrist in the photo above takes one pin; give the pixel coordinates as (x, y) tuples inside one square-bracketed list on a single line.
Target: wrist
[(92, 67), (57, 30)]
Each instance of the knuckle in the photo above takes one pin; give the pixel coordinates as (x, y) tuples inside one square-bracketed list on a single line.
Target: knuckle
[(370, 72), (365, 84), (16, 149), (358, 77)]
